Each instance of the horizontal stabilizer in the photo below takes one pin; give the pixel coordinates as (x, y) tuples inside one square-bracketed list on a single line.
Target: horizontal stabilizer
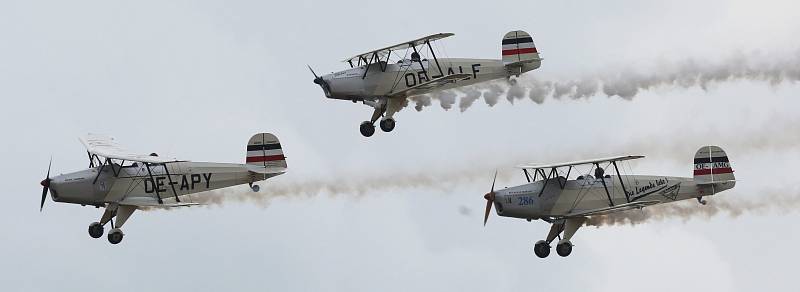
[(701, 183), (265, 170)]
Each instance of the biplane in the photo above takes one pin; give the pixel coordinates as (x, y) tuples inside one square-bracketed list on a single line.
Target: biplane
[(122, 181), (384, 78), (550, 194)]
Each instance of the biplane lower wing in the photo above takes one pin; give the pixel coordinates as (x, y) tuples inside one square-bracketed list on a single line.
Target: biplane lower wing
[(612, 209), (152, 203), (426, 86)]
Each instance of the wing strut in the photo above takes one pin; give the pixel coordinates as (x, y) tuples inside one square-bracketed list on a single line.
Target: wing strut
[(603, 180), (103, 165), (368, 63), (419, 60), (386, 64), (441, 73), (627, 197), (158, 195), (527, 175), (546, 179), (171, 184), (567, 178), (91, 159)]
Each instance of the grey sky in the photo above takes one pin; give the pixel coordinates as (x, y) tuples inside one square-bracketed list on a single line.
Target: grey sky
[(195, 79)]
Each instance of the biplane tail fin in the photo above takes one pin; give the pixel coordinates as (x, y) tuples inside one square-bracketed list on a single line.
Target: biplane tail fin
[(711, 165), (264, 154), (518, 48)]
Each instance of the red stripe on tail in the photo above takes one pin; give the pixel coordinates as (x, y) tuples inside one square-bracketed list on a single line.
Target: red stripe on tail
[(265, 158), (519, 51), (716, 171)]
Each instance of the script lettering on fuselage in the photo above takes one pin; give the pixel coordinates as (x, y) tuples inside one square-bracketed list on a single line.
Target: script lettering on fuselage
[(185, 182), (413, 78), (651, 187)]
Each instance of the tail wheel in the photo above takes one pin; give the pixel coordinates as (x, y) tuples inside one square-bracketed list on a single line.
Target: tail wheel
[(367, 129), (564, 249), (387, 125), (541, 249)]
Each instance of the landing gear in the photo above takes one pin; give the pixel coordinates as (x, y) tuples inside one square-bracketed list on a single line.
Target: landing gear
[(96, 230), (255, 188), (387, 125), (367, 129), (701, 201), (115, 236), (564, 248), (512, 81), (385, 108), (122, 213), (541, 249)]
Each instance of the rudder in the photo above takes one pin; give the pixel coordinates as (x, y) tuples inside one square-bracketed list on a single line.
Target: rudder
[(518, 47), (711, 165), (264, 150)]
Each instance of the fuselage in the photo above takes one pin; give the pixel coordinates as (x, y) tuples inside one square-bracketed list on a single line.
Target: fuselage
[(133, 182), (353, 84), (588, 193)]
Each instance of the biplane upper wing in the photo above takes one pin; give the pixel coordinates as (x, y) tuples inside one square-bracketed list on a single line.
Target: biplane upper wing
[(425, 86), (580, 162), (382, 52), (105, 146), (612, 209)]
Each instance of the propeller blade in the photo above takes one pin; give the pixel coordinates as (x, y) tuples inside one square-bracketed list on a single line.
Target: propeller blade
[(45, 185), (489, 200), (44, 195), (493, 180), (312, 72)]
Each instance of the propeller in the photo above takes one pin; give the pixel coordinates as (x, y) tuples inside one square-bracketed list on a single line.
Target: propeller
[(317, 79), (489, 200), (45, 185)]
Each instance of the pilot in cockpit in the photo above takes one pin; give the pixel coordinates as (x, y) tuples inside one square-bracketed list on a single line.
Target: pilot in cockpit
[(415, 57), (598, 172)]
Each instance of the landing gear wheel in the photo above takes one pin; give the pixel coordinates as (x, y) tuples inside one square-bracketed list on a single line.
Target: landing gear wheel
[(564, 249), (255, 188), (115, 236), (96, 230), (387, 125), (541, 249), (367, 129)]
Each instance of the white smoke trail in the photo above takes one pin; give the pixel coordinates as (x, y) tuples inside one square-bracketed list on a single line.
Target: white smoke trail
[(628, 83), (777, 133), (770, 201)]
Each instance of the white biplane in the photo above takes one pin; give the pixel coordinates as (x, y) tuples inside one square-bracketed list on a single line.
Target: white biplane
[(123, 181), (383, 79), (567, 203)]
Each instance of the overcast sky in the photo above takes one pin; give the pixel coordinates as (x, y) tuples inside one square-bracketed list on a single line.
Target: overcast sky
[(195, 79)]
